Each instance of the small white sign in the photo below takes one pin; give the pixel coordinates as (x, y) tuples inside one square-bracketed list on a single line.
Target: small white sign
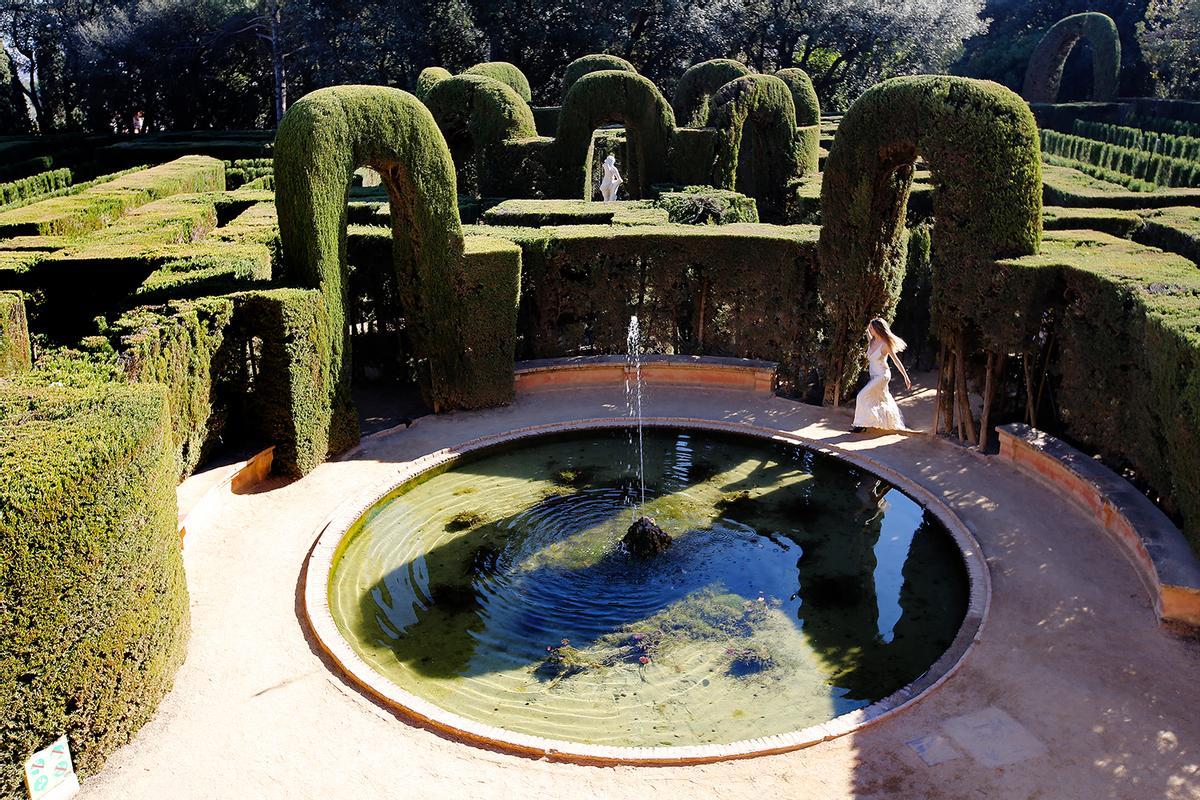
[(49, 774)]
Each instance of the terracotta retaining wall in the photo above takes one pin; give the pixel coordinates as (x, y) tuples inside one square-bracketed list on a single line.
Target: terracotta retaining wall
[(237, 478), (657, 370), (1156, 547)]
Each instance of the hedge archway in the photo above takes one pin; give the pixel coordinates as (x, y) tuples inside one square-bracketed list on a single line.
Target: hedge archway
[(1044, 73), (694, 92), (508, 74), (760, 105), (427, 78), (595, 62), (478, 113), (981, 143), (321, 140), (608, 96), (804, 96)]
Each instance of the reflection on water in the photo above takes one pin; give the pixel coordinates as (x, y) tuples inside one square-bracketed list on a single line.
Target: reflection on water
[(798, 588)]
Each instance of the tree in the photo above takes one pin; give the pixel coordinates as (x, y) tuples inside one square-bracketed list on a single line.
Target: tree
[(1170, 40), (14, 114)]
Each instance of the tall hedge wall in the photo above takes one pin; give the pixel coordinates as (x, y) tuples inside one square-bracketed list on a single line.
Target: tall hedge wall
[(981, 144), (93, 601), (508, 74), (594, 62), (15, 354), (322, 139), (1044, 73), (698, 84)]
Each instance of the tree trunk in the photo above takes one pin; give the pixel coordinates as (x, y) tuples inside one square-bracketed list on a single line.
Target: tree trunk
[(278, 69)]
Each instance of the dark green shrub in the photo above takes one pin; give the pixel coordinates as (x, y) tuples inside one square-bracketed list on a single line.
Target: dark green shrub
[(1164, 144), (35, 186), (609, 96), (427, 78), (323, 138), (981, 144), (1044, 73), (758, 108), (1138, 169), (698, 84), (704, 205), (508, 74), (14, 335), (595, 62), (93, 600), (804, 96)]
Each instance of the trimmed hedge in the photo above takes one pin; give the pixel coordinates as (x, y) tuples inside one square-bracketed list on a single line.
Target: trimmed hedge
[(93, 600), (15, 353), (427, 78), (1174, 229), (508, 74), (1044, 73), (1164, 144), (1065, 185), (698, 84), (541, 213), (322, 139), (760, 105), (35, 186), (804, 96), (1106, 220), (594, 62), (1137, 169), (981, 144), (704, 205), (100, 205)]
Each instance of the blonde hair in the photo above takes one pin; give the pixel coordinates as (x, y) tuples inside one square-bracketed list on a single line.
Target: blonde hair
[(893, 342)]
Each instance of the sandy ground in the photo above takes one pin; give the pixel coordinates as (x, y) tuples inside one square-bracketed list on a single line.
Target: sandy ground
[(1073, 692)]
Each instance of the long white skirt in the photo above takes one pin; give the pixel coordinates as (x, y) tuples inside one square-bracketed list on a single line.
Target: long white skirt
[(876, 408)]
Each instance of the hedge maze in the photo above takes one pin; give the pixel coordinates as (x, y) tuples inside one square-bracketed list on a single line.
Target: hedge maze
[(153, 315)]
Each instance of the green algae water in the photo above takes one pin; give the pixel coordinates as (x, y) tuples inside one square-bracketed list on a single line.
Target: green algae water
[(797, 588)]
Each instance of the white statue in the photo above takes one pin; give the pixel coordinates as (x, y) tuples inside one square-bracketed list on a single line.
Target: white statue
[(611, 180)]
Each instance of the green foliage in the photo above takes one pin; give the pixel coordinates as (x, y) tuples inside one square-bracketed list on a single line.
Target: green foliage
[(1165, 144), (1172, 126), (1044, 74), (541, 213), (322, 140), (14, 335), (761, 163), (506, 73), (34, 186), (1174, 229), (1106, 220), (595, 62), (94, 617), (704, 205), (427, 79), (98, 206), (804, 96), (981, 144), (1138, 169), (609, 96), (694, 92), (1069, 186)]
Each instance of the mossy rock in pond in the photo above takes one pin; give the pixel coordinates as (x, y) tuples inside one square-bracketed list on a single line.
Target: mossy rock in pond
[(750, 660), (644, 539), (575, 478), (465, 520)]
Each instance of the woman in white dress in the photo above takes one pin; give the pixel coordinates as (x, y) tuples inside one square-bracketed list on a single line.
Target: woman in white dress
[(875, 407)]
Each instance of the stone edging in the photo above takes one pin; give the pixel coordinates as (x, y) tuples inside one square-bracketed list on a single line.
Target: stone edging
[(739, 374), (319, 568), (1157, 549)]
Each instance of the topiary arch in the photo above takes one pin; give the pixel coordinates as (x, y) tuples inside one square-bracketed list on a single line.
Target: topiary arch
[(698, 84), (608, 96), (427, 78), (804, 95), (1044, 74), (508, 74), (459, 329), (594, 62), (981, 143), (760, 105)]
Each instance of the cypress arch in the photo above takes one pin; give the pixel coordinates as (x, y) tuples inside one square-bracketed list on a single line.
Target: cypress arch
[(694, 92), (1043, 76), (506, 73), (981, 143), (321, 140), (609, 96), (594, 62), (804, 95)]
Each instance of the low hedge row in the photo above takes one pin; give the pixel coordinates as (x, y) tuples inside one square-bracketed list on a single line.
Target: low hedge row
[(1142, 170), (540, 213), (704, 205), (34, 186), (1164, 144), (101, 204), (1065, 184), (1176, 127), (14, 335), (93, 600)]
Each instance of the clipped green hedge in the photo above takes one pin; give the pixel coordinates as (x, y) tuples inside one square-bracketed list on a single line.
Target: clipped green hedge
[(1044, 73), (540, 213), (1138, 169), (1066, 184), (93, 600), (15, 353), (804, 96), (1164, 144), (981, 144), (323, 138), (427, 78), (594, 62), (508, 74), (698, 84), (704, 205), (761, 106), (35, 186)]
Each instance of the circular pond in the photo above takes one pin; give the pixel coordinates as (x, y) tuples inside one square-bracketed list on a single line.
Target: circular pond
[(796, 588)]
